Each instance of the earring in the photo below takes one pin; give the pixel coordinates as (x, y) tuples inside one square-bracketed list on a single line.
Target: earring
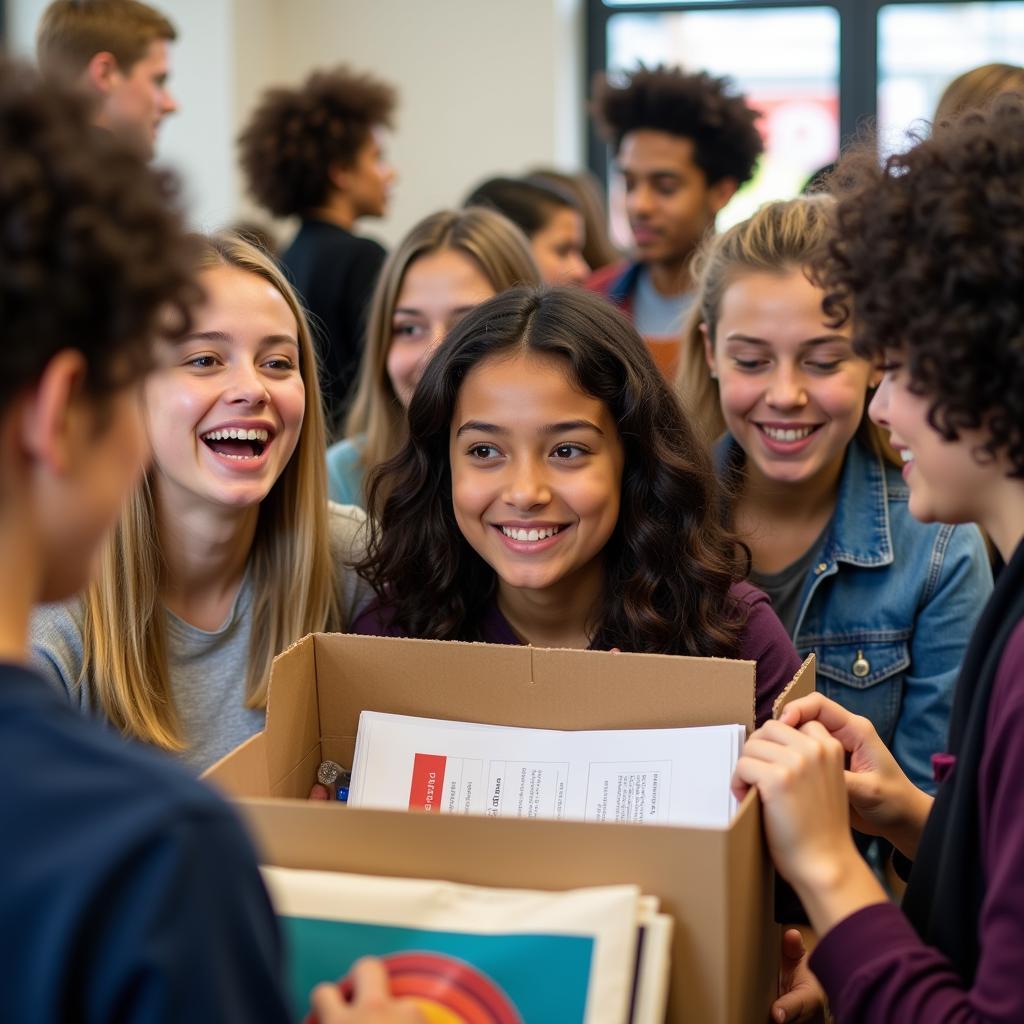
[(714, 375)]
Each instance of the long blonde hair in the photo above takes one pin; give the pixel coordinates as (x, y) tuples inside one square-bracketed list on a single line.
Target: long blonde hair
[(495, 245), (291, 568)]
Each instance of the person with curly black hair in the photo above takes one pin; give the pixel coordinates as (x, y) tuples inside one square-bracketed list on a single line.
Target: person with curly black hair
[(128, 890), (927, 262), (683, 143), (316, 151), (117, 53), (551, 492)]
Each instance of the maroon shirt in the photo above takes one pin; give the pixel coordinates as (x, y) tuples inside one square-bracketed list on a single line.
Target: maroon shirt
[(873, 964), (764, 641)]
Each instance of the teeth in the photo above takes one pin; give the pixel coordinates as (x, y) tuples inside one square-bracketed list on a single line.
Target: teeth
[(517, 533), (237, 434), (906, 455), (791, 434)]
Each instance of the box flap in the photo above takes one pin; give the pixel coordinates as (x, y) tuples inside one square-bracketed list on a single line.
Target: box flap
[(523, 686), (293, 716), (244, 770), (801, 685)]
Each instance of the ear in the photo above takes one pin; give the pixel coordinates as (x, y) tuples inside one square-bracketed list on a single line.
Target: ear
[(50, 417), (709, 349), (340, 176), (720, 193), (102, 72)]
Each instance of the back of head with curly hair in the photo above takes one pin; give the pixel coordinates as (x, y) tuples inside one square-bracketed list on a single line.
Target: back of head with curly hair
[(699, 107), (93, 255), (298, 134), (929, 261), (669, 564)]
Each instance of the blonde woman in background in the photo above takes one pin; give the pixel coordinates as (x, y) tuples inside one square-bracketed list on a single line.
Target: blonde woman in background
[(885, 602), (977, 88), (446, 265), (228, 552)]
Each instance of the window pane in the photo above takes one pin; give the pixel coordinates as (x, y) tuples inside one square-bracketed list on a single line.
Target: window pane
[(921, 47), (787, 63)]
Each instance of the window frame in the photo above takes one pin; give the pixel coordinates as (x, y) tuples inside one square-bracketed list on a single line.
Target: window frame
[(858, 54)]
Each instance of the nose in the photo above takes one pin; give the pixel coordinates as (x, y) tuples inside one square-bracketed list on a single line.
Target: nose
[(246, 387), (639, 200), (438, 332), (786, 389), (578, 269), (170, 104), (878, 409), (526, 485)]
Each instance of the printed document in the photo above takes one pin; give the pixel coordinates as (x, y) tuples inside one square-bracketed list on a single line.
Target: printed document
[(633, 776)]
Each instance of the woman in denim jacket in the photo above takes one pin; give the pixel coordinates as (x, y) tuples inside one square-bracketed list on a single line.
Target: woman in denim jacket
[(886, 603)]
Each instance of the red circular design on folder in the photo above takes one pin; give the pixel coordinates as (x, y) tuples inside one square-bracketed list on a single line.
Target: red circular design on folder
[(445, 989)]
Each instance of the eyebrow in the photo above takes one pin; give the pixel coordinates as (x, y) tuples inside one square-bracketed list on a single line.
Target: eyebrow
[(221, 338), (551, 428), (409, 311), (656, 173), (809, 343)]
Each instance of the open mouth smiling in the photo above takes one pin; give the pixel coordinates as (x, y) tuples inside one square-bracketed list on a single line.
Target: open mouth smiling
[(240, 443), (788, 435)]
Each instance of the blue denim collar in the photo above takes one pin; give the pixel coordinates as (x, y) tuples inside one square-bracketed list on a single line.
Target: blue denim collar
[(859, 532), (625, 284)]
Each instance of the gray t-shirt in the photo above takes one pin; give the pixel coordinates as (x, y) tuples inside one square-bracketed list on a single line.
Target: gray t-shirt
[(207, 670), (656, 315), (785, 588)]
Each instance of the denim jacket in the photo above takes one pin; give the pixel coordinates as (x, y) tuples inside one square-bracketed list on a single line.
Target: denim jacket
[(888, 607)]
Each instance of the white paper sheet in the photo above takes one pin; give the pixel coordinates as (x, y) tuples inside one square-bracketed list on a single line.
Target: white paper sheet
[(639, 776)]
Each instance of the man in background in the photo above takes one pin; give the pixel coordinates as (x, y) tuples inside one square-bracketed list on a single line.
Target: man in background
[(684, 143), (117, 52)]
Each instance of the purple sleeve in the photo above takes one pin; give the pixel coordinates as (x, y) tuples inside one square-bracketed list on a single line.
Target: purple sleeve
[(376, 620), (766, 642), (874, 966)]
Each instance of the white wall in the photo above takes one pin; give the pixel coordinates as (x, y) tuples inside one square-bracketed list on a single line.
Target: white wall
[(486, 87)]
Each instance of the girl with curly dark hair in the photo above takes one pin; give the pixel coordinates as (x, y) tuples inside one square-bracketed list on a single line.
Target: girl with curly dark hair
[(551, 492), (927, 263)]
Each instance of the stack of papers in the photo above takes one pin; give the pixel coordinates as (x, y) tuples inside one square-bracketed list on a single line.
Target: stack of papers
[(468, 953), (636, 776)]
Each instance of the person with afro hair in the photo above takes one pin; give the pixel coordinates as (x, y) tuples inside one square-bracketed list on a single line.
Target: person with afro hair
[(315, 151), (683, 143)]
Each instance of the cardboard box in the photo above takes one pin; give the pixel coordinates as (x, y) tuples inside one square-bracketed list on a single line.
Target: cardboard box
[(716, 883)]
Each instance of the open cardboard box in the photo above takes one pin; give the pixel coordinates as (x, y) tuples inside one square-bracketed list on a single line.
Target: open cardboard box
[(716, 883)]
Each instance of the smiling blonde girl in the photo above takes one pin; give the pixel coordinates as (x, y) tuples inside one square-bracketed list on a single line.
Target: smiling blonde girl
[(229, 551)]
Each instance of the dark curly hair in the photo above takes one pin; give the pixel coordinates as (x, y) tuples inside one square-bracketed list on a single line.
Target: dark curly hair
[(669, 563), (295, 134), (698, 106), (928, 259), (92, 252)]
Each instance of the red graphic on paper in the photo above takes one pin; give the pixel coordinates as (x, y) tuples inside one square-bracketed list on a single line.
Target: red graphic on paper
[(446, 990), (427, 781)]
